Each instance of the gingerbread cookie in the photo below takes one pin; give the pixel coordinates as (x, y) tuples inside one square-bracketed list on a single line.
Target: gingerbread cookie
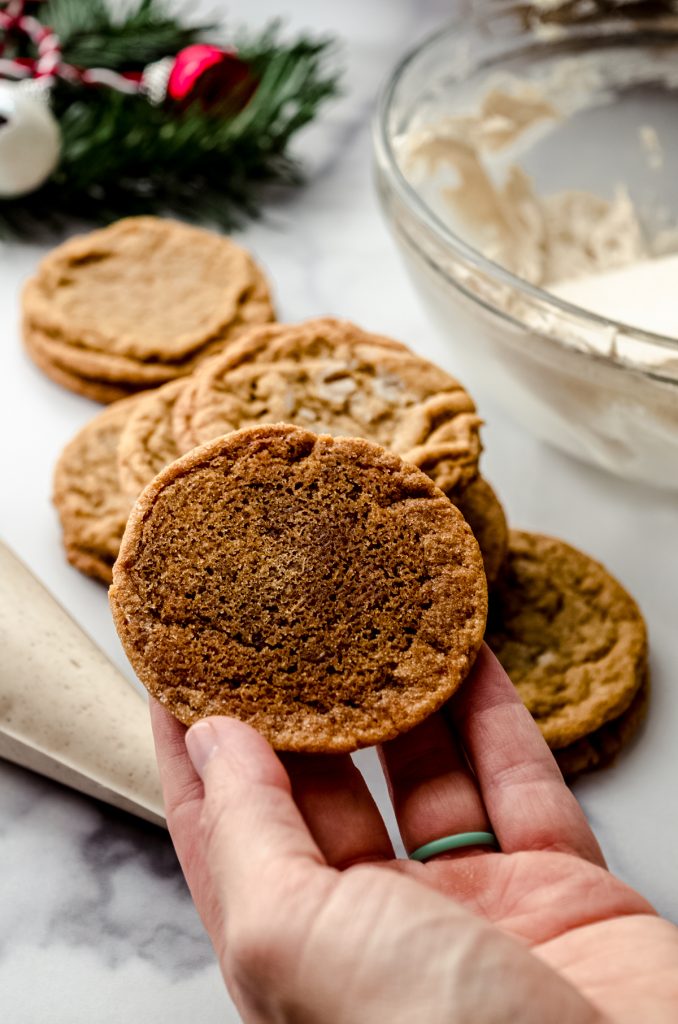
[(147, 442), (91, 364), (329, 375), (569, 636), (600, 748), (92, 508), (97, 390), (85, 362), (142, 301), (318, 588), (483, 511)]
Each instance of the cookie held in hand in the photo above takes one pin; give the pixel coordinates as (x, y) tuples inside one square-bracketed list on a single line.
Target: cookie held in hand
[(319, 588)]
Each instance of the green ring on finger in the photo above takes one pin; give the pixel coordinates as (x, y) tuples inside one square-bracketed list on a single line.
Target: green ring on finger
[(456, 842)]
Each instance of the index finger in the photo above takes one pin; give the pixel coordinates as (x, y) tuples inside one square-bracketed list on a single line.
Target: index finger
[(529, 805)]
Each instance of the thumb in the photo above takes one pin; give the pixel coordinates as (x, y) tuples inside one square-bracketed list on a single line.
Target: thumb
[(250, 828)]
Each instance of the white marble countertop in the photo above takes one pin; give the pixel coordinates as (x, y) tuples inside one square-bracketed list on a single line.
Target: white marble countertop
[(95, 920)]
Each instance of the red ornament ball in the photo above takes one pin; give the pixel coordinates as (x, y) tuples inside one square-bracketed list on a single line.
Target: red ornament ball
[(218, 80)]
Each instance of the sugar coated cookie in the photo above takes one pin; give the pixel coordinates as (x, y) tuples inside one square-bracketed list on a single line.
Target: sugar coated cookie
[(571, 639), (92, 507), (319, 588), (331, 376)]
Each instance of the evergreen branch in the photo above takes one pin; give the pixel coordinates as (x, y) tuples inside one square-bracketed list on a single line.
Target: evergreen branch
[(122, 156), (91, 36)]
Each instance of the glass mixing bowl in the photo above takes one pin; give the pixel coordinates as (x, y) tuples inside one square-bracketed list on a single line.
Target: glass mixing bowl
[(599, 389)]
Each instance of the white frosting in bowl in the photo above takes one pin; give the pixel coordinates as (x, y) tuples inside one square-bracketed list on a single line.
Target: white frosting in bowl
[(642, 294)]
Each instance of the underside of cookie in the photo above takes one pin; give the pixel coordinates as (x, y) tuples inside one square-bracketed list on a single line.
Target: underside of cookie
[(571, 639), (320, 589)]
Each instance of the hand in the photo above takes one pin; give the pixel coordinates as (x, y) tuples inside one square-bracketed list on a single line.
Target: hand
[(313, 920)]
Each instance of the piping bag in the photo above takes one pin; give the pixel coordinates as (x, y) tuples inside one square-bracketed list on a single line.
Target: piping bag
[(65, 710)]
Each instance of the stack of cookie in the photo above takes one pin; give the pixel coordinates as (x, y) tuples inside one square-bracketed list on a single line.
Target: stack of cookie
[(574, 643), (325, 374), (138, 304), (569, 636)]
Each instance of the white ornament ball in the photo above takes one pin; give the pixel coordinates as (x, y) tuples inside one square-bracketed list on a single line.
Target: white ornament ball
[(30, 139)]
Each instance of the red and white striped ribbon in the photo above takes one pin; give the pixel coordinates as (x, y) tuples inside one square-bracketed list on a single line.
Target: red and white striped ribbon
[(49, 64)]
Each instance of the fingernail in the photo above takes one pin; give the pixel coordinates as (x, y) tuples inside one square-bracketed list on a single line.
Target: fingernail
[(201, 745)]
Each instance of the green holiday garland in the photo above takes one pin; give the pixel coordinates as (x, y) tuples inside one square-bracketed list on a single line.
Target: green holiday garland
[(121, 154)]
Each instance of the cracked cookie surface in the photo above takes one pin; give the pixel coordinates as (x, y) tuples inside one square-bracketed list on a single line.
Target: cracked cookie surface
[(139, 303), (147, 443), (318, 588), (572, 640), (92, 507), (330, 376)]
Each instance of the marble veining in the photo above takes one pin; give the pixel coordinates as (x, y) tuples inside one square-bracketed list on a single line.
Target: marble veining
[(96, 924)]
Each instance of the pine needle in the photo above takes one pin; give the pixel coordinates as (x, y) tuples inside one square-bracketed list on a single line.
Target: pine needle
[(123, 156)]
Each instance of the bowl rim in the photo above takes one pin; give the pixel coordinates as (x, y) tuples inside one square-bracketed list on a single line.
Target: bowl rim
[(387, 159)]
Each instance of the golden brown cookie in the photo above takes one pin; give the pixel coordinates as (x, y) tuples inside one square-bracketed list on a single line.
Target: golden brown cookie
[(600, 748), (571, 639), (483, 511), (318, 588), (85, 362), (97, 390), (145, 287), (81, 361), (147, 441), (331, 376), (141, 302), (87, 493)]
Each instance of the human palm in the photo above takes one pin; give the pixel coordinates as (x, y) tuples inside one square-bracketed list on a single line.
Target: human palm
[(586, 924), (313, 919)]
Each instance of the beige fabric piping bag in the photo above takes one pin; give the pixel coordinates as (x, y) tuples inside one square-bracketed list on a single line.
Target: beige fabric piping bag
[(65, 710)]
